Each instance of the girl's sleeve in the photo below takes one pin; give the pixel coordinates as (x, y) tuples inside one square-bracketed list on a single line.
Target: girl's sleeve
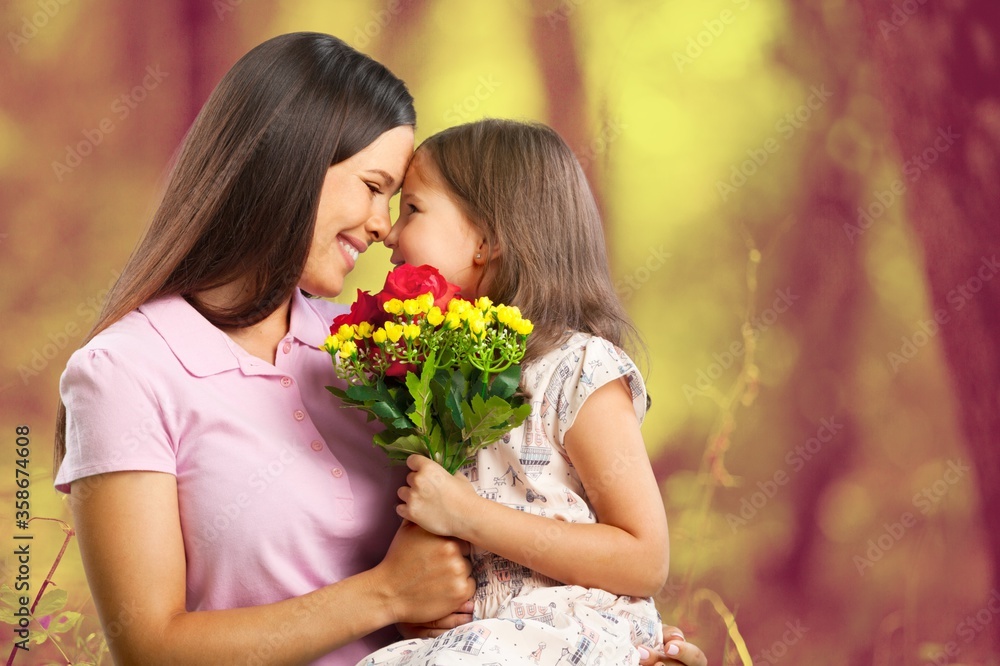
[(584, 370), (114, 422)]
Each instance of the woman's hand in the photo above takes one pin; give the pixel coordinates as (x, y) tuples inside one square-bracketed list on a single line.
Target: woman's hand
[(462, 615), (429, 576), (129, 530), (676, 651), (436, 500)]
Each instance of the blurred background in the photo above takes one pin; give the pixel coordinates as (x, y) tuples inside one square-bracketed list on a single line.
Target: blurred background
[(801, 202)]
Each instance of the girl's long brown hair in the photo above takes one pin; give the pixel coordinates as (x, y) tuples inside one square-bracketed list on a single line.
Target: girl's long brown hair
[(241, 201), (521, 185)]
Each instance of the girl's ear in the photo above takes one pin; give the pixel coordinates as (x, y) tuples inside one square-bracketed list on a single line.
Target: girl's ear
[(486, 250)]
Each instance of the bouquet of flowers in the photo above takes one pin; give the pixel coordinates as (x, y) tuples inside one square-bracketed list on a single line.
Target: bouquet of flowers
[(439, 371)]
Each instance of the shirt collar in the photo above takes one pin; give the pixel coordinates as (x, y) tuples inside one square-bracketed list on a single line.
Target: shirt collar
[(206, 350), (306, 324)]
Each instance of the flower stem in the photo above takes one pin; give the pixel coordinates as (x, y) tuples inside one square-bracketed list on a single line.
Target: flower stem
[(48, 579)]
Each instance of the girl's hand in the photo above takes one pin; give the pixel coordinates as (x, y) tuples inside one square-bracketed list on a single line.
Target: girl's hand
[(674, 642), (434, 499)]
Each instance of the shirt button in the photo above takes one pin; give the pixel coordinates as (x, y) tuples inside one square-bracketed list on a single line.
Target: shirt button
[(337, 472), (286, 381), (317, 445), (299, 414), (287, 347)]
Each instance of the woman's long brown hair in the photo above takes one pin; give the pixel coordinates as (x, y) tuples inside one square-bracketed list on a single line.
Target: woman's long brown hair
[(521, 185), (241, 201)]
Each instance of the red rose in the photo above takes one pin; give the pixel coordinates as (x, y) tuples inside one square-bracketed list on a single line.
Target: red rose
[(397, 369), (365, 308), (408, 281)]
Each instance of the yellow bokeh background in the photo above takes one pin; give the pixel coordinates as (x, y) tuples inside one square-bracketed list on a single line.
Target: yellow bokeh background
[(715, 161)]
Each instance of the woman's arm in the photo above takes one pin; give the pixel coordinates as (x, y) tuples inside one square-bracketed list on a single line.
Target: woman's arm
[(626, 553), (133, 553)]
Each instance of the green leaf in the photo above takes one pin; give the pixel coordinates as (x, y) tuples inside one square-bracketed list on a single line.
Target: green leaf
[(8, 597), (407, 445), (420, 389), (361, 393), (476, 384), (339, 392), (403, 401), (484, 415), (64, 622), (52, 601), (448, 390), (521, 412), (505, 383), (389, 435), (387, 412), (436, 445)]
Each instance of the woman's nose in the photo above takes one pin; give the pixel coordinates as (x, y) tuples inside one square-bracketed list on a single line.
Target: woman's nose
[(391, 237), (379, 226)]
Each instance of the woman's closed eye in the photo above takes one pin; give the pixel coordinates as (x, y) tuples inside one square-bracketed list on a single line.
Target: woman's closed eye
[(375, 189)]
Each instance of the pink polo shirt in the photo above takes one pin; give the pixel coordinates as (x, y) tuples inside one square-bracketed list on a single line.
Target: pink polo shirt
[(280, 489)]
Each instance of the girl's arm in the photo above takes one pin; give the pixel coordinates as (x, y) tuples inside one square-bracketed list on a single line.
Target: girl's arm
[(133, 553), (626, 553)]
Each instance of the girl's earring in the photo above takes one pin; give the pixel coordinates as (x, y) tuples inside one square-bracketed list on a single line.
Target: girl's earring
[(479, 256)]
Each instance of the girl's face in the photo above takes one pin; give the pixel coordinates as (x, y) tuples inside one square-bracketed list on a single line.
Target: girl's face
[(433, 230), (353, 209)]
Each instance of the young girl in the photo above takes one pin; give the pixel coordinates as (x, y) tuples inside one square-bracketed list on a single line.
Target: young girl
[(564, 515)]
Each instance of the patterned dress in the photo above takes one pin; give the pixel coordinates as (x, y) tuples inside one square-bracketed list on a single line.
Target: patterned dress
[(520, 616)]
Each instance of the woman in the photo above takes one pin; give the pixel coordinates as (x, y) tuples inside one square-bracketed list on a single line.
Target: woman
[(227, 512)]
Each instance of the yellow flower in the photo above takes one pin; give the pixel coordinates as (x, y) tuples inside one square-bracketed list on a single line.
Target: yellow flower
[(483, 303), (504, 315), (378, 336), (426, 301), (348, 349), (523, 326), (364, 330), (453, 320), (393, 306), (411, 306), (345, 332), (332, 343), (411, 331), (393, 331), (458, 306), (434, 316), (477, 326)]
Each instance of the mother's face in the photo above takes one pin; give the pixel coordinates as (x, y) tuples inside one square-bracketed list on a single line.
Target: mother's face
[(354, 209)]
